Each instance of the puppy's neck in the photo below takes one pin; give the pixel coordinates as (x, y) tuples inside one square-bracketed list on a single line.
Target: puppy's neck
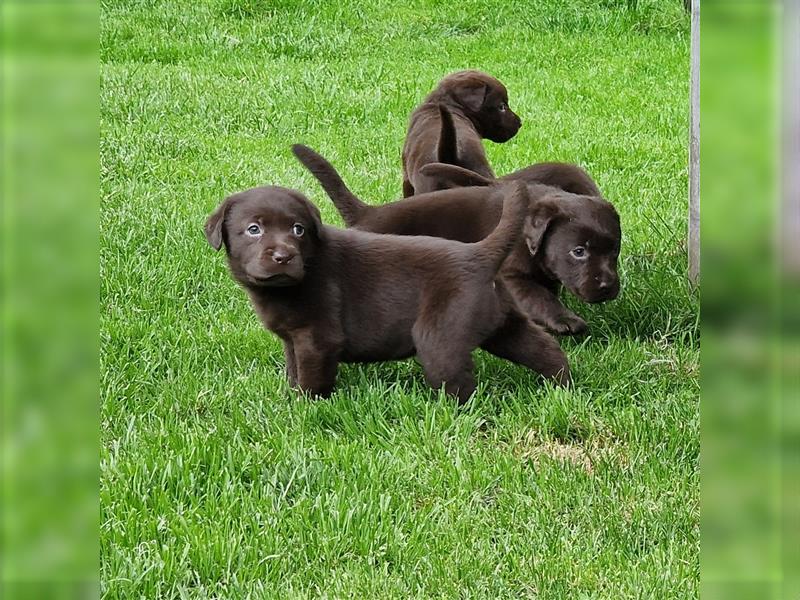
[(436, 98), (544, 276), (533, 267)]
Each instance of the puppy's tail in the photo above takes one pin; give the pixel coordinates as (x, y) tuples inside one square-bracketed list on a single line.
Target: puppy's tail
[(494, 248), (456, 176), (447, 150), (349, 206)]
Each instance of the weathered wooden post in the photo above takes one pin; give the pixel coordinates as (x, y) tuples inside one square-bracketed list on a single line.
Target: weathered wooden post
[(694, 148), (790, 213)]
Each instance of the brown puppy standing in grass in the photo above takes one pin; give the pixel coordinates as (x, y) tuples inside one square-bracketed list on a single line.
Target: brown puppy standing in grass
[(475, 106), (335, 295), (568, 239)]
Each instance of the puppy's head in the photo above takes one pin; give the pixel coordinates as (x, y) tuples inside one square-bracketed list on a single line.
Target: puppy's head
[(485, 101), (577, 239), (269, 234)]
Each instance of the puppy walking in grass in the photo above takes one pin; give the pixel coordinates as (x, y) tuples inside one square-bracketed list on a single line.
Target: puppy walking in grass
[(336, 295), (464, 108)]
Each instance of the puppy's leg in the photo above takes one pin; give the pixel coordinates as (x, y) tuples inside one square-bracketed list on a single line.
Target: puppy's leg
[(543, 307), (445, 362), (408, 189), (291, 364), (525, 343), (316, 364), (453, 371)]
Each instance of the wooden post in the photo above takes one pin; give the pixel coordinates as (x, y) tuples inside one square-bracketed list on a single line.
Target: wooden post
[(790, 211), (694, 149)]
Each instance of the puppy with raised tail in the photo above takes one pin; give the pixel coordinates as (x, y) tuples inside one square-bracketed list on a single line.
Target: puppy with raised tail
[(335, 295), (466, 107), (568, 239)]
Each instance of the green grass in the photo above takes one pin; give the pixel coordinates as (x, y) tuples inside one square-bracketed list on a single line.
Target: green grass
[(217, 481)]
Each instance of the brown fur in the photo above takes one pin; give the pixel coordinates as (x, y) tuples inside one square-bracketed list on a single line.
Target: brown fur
[(449, 125), (336, 295), (556, 224)]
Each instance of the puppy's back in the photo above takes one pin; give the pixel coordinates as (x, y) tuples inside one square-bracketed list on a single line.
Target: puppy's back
[(385, 280), (565, 176), (412, 258), (464, 215)]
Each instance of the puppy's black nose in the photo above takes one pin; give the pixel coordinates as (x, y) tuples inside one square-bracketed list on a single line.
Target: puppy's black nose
[(608, 289), (282, 256)]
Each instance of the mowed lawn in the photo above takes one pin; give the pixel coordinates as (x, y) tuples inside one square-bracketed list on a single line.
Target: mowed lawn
[(218, 481)]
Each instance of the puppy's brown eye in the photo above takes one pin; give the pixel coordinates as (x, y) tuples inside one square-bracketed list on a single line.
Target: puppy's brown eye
[(253, 229), (503, 107), (298, 229), (578, 252)]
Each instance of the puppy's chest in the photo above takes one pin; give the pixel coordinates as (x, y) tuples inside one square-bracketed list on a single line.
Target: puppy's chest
[(286, 315)]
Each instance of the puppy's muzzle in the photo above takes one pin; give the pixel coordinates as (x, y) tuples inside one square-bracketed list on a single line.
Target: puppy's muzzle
[(509, 130), (281, 256), (607, 289)]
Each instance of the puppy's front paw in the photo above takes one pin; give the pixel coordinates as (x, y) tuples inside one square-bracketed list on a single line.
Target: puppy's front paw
[(569, 324), (321, 392)]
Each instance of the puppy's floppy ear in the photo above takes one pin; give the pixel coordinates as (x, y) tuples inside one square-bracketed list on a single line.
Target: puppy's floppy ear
[(541, 216), (215, 223), (315, 217), (471, 95)]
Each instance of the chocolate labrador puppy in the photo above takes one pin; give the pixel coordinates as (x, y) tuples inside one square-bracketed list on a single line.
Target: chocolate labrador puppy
[(466, 106), (336, 295), (568, 239)]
